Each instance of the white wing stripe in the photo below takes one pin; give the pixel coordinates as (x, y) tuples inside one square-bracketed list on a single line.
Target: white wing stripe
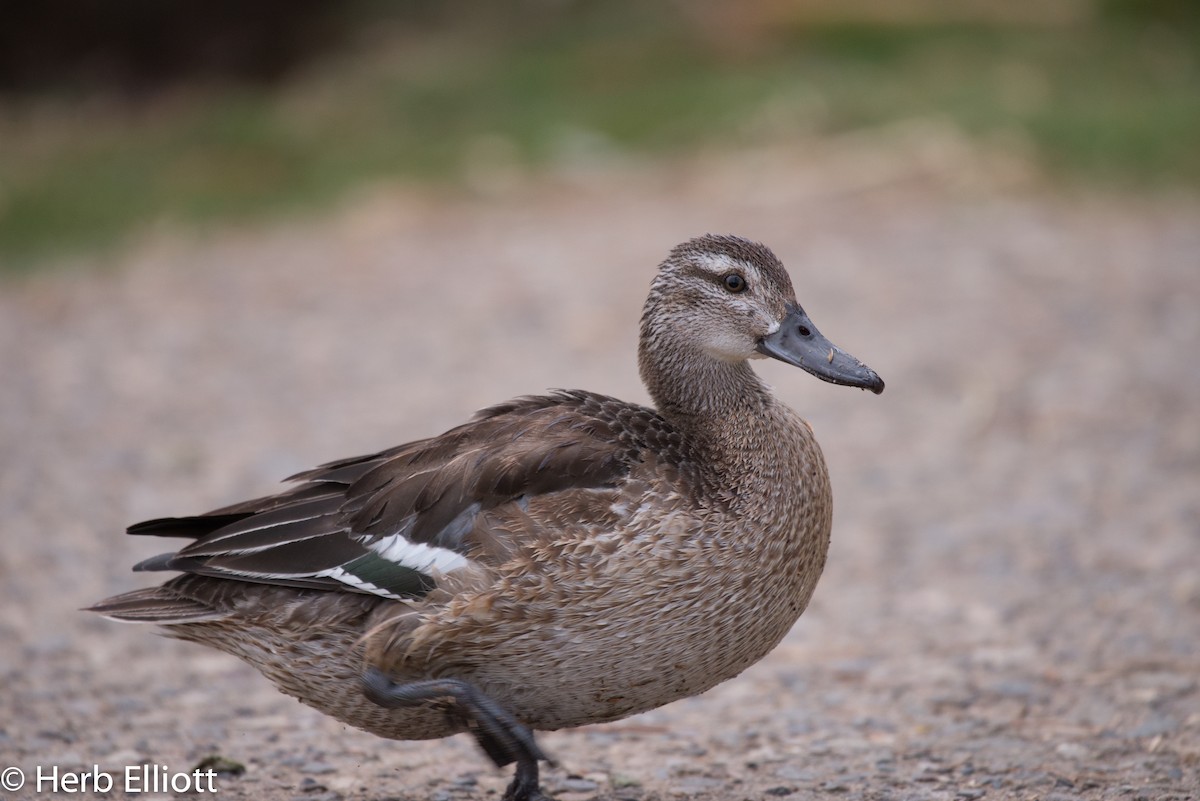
[(417, 555), (338, 574)]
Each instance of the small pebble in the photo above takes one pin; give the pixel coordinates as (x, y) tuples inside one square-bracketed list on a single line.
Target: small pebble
[(833, 787), (317, 768), (574, 785), (620, 780), (695, 785), (1071, 750), (794, 773)]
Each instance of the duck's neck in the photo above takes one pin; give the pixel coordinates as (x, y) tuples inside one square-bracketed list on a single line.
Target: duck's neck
[(722, 407), (698, 386)]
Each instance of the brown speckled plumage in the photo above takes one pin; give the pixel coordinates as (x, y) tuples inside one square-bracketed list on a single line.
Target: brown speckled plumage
[(572, 557)]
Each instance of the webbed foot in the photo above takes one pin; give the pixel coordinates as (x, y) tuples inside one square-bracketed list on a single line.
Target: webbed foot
[(501, 736)]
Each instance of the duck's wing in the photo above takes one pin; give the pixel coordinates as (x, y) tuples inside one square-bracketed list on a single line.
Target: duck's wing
[(391, 523)]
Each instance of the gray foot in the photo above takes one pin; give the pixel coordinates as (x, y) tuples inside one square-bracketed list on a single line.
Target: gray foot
[(501, 736)]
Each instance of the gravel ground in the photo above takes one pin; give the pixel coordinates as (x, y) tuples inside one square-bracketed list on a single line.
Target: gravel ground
[(1012, 604)]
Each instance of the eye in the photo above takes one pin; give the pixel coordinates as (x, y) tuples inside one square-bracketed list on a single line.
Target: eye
[(734, 283)]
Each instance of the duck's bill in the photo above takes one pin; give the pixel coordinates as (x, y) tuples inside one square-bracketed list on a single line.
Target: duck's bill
[(799, 342)]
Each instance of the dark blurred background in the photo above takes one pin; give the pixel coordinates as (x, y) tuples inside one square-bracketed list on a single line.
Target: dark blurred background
[(115, 114)]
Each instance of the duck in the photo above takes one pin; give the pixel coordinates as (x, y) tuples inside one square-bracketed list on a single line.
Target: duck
[(559, 560)]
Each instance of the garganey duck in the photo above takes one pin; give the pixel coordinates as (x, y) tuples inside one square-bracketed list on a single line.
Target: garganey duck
[(560, 560)]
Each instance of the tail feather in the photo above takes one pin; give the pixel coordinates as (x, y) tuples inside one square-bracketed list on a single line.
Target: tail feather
[(193, 527), (155, 605)]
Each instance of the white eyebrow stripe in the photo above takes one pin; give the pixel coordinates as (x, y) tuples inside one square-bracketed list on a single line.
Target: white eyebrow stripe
[(718, 264)]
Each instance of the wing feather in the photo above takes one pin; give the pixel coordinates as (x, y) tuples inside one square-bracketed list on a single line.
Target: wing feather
[(389, 523)]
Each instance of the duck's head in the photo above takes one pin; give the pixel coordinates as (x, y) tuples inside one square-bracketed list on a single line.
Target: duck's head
[(733, 299)]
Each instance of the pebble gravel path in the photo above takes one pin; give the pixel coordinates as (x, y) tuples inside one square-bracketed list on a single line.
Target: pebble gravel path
[(1012, 604)]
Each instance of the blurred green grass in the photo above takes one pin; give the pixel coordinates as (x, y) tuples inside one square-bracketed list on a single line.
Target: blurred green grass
[(1110, 103)]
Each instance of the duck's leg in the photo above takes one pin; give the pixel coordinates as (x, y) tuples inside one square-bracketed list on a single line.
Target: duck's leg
[(502, 737)]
